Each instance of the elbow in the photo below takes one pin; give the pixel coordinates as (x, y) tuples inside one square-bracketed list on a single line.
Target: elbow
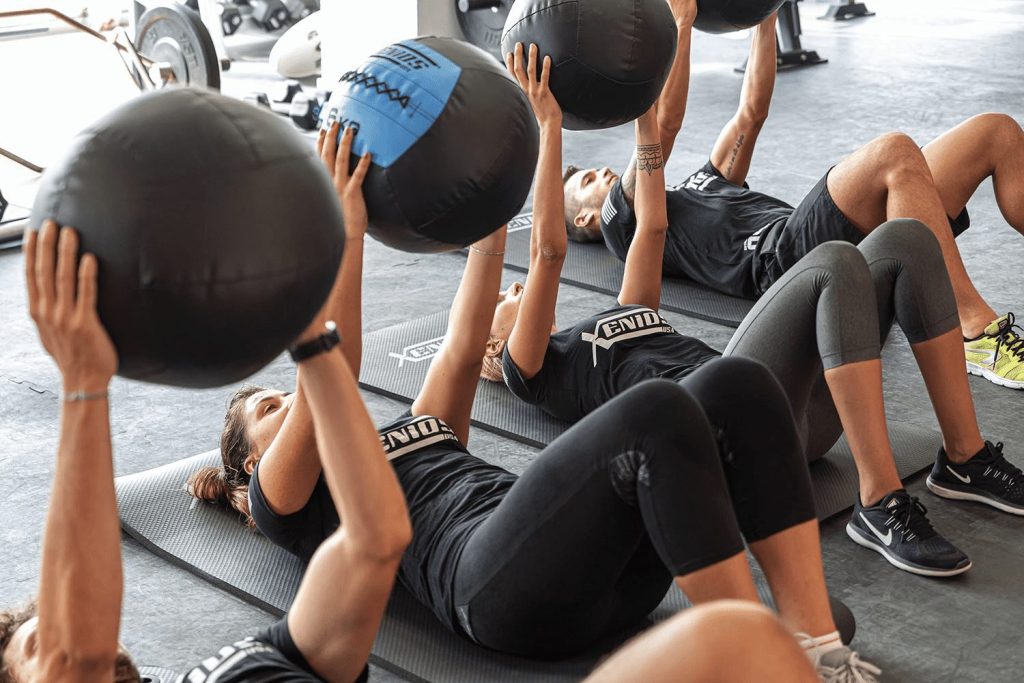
[(753, 115), (552, 253), (385, 543), (656, 228)]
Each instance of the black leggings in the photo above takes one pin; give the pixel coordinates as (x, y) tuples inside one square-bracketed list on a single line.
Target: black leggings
[(663, 480), (836, 306)]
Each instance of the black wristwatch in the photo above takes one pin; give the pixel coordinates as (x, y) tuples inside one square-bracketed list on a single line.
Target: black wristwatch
[(325, 342)]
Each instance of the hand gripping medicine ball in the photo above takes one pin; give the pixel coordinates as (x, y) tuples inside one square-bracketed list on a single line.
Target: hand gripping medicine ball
[(216, 228), (453, 138), (609, 58), (724, 16)]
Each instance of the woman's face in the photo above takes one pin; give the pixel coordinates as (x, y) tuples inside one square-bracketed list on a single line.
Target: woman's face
[(264, 414), (507, 311)]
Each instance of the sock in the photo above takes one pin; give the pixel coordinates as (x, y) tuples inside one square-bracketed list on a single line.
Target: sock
[(816, 647)]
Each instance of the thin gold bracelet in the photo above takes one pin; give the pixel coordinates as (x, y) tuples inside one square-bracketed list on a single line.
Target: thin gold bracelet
[(486, 253), (70, 396)]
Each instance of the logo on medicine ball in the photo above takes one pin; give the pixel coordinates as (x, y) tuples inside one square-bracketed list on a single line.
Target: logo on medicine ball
[(405, 56), (416, 353), (420, 433), (636, 322)]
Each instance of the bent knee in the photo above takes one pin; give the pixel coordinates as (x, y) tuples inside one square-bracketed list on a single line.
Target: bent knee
[(898, 155), (736, 381), (908, 241), (1000, 129), (842, 264)]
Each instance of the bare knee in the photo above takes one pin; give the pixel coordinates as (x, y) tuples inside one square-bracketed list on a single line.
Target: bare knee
[(1000, 130), (899, 158)]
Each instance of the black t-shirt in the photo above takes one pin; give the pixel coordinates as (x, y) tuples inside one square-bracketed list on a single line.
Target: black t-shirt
[(448, 491), (716, 233), (602, 356), (269, 657)]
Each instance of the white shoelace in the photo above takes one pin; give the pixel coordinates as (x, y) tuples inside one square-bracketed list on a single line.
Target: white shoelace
[(853, 670)]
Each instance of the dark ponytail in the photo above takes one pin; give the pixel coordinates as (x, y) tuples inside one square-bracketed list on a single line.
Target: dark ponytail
[(228, 485)]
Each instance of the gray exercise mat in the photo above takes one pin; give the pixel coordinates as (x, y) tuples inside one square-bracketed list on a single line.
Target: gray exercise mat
[(157, 674), (396, 359), (213, 544), (593, 267)]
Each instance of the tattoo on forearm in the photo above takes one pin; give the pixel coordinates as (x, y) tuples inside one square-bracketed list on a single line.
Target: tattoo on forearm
[(649, 158), (735, 151)]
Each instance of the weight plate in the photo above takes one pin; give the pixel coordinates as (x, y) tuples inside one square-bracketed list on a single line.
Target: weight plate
[(175, 34), (482, 22)]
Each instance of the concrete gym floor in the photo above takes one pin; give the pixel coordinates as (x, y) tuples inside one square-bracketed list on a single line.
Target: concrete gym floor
[(917, 66)]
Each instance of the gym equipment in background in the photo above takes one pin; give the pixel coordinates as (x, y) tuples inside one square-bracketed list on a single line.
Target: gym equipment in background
[(171, 46), (609, 58), (843, 11), (218, 233), (725, 16), (789, 52), (453, 138), (303, 108), (483, 21), (296, 54), (174, 34)]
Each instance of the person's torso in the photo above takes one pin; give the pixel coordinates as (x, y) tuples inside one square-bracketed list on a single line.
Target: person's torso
[(603, 355), (448, 491), (715, 231)]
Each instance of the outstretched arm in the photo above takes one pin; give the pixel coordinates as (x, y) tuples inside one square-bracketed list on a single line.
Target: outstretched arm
[(340, 603), (290, 468), (735, 146), (672, 101), (450, 386), (81, 580), (528, 341), (641, 282)]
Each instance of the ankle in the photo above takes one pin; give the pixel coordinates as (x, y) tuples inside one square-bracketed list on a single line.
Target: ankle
[(959, 453), (870, 497), (971, 326)]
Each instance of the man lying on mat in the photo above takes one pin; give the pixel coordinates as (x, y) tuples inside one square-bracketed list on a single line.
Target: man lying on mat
[(732, 239)]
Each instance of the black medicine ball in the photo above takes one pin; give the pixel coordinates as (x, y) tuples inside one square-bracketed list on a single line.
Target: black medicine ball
[(453, 139), (216, 227), (609, 58), (723, 16)]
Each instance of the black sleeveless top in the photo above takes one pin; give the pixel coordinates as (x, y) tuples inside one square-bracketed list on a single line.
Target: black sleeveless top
[(449, 493), (603, 355)]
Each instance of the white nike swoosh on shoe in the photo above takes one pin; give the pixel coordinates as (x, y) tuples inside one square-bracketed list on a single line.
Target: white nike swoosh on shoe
[(886, 538), (966, 480)]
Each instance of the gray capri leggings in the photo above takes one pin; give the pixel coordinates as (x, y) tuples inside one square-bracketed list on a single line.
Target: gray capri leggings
[(819, 316)]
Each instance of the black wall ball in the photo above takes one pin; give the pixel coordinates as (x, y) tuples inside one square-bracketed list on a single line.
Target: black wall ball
[(216, 228), (609, 58), (453, 138), (724, 16)]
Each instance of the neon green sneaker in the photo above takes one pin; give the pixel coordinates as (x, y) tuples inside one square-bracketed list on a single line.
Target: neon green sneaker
[(997, 354)]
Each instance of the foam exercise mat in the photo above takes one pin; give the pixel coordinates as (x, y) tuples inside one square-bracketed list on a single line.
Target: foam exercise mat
[(396, 359), (213, 544), (593, 267)]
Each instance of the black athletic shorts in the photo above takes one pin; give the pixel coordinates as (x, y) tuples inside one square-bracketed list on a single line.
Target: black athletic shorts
[(816, 220)]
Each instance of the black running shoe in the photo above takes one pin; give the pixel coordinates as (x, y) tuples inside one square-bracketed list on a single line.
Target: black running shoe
[(985, 478), (898, 529)]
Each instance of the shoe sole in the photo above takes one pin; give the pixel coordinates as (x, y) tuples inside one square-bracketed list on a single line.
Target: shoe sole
[(954, 494), (862, 539), (979, 371)]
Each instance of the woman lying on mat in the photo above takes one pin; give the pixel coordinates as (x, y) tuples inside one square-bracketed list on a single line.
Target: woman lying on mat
[(72, 634), (587, 541), (819, 330)]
